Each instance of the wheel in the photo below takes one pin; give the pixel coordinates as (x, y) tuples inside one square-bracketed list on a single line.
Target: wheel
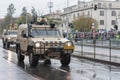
[(8, 45), (65, 59), (47, 62), (33, 59), (19, 56), (17, 47), (4, 45)]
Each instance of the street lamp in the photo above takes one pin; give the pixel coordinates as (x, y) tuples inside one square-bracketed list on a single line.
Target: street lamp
[(67, 3), (94, 33), (50, 5), (94, 37)]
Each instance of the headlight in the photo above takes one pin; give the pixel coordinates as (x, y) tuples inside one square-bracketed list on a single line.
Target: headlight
[(37, 45), (69, 45), (9, 38)]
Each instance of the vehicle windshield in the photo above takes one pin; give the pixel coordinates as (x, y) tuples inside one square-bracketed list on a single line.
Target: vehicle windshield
[(45, 33), (12, 33)]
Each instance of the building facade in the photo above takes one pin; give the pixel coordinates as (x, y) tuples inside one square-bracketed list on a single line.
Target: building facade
[(107, 13), (56, 17)]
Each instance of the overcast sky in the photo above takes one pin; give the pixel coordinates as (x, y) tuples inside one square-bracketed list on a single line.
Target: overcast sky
[(39, 5)]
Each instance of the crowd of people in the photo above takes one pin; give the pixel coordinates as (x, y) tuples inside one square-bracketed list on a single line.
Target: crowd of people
[(93, 35)]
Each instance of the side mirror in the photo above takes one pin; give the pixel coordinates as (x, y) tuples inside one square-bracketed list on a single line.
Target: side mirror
[(5, 33)]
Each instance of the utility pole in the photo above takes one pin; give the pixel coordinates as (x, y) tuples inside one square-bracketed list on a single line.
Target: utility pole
[(26, 15), (67, 3), (67, 17), (50, 5)]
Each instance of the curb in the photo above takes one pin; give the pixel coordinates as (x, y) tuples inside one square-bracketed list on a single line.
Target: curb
[(98, 60), (98, 46)]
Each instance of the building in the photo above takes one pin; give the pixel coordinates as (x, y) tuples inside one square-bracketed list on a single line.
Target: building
[(55, 16), (107, 13)]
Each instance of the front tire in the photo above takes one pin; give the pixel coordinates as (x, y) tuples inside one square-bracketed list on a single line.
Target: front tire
[(19, 56), (47, 62), (4, 45), (33, 59), (8, 45), (65, 59)]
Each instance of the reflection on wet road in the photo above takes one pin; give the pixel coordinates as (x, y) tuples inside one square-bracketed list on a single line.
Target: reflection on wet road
[(79, 69)]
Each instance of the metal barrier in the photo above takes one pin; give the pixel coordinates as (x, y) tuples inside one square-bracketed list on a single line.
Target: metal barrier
[(108, 50)]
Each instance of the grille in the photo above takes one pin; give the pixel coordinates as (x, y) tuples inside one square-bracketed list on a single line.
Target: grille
[(51, 43)]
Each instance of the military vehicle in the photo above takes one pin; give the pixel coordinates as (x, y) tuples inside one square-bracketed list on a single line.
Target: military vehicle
[(43, 42), (9, 37)]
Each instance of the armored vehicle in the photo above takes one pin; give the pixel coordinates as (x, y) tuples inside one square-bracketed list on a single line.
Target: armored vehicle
[(43, 42), (9, 37)]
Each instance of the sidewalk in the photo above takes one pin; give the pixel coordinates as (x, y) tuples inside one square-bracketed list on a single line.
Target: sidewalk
[(9, 71), (100, 56)]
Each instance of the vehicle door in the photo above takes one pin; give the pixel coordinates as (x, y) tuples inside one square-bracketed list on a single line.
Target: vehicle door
[(23, 41)]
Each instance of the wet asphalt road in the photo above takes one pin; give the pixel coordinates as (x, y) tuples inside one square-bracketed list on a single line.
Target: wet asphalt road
[(78, 69)]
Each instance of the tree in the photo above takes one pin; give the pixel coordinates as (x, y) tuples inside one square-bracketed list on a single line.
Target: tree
[(22, 19), (84, 23), (11, 10), (25, 17), (34, 13), (1, 25), (24, 11), (6, 22)]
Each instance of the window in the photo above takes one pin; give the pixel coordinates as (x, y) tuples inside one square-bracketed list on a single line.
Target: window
[(113, 22), (36, 32), (23, 33), (12, 33), (83, 13), (88, 13), (74, 16), (113, 13), (110, 5), (99, 4), (78, 15), (101, 13), (101, 22)]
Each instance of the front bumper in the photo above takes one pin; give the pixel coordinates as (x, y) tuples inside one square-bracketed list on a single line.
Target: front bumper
[(52, 52), (11, 41), (53, 49)]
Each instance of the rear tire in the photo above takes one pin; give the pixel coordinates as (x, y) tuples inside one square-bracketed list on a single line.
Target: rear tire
[(65, 59)]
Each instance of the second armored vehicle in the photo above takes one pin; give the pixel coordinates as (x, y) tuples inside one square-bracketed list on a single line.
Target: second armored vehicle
[(9, 37)]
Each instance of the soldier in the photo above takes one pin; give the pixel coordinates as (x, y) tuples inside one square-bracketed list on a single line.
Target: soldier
[(43, 21)]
